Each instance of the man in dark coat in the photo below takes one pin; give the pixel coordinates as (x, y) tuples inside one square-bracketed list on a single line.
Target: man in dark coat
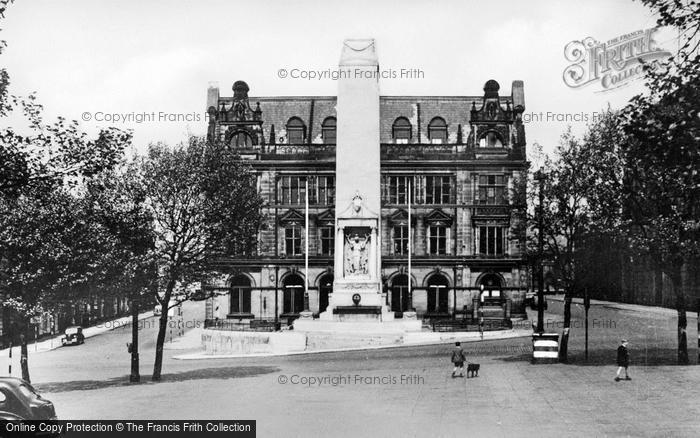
[(458, 359), (623, 360)]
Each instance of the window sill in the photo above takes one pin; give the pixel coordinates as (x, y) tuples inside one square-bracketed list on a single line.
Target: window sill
[(242, 315)]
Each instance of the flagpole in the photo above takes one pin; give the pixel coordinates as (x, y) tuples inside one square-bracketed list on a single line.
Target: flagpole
[(306, 245), (409, 247)]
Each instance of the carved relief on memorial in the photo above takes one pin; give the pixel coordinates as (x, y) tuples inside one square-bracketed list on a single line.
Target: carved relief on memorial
[(356, 253)]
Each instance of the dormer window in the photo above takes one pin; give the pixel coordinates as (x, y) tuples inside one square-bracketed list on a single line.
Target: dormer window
[(328, 130), (402, 130), (491, 140), (296, 131), (437, 130)]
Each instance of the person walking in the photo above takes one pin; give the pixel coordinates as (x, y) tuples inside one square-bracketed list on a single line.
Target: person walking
[(623, 360), (458, 359)]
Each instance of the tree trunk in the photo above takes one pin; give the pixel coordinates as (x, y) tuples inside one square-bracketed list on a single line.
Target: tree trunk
[(564, 346), (677, 280), (135, 376), (162, 330), (24, 356)]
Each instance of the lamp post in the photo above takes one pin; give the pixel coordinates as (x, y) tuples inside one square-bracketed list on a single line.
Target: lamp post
[(541, 178), (133, 348)]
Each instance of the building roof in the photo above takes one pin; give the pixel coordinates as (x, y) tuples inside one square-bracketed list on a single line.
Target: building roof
[(419, 110)]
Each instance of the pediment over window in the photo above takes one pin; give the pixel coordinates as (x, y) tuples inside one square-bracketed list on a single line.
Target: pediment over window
[(400, 218), (439, 218), (292, 217), (326, 218)]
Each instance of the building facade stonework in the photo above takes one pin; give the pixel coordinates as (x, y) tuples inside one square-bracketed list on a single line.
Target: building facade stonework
[(460, 159)]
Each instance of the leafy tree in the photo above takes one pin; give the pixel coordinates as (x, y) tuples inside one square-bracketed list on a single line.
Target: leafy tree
[(646, 188), (661, 188), (205, 204), (566, 217), (117, 200), (4, 76), (51, 251)]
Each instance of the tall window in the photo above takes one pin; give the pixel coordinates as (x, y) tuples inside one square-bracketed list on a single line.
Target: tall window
[(400, 240), (437, 130), (292, 240), (328, 130), (491, 241), (490, 140), (292, 190), (401, 131), (327, 240), (437, 240), (240, 295), (241, 140), (492, 189), (296, 131), (398, 189), (325, 190), (437, 189)]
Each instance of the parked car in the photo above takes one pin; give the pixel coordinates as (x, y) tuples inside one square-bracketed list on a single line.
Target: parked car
[(20, 401), (73, 336)]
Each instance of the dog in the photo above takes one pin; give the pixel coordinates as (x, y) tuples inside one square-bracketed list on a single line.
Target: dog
[(473, 370)]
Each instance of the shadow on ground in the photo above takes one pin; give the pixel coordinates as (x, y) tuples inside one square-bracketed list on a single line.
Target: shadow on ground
[(206, 373)]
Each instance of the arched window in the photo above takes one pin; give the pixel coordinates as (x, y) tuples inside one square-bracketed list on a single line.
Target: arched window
[(438, 292), (325, 288), (293, 286), (240, 295), (491, 140), (296, 131), (490, 285), (402, 130), (328, 130), (242, 140), (437, 130)]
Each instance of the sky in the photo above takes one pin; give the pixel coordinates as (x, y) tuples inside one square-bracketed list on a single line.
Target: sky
[(133, 57)]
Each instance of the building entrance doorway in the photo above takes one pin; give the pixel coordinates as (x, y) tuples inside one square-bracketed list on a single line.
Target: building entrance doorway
[(400, 301), (438, 293), (293, 286)]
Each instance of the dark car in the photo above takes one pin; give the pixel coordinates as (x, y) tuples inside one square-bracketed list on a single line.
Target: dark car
[(19, 400), (73, 336)]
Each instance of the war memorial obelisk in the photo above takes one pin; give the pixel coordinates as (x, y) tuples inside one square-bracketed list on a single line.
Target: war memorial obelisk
[(357, 298)]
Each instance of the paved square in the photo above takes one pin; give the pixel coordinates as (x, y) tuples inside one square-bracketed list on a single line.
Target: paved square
[(361, 393)]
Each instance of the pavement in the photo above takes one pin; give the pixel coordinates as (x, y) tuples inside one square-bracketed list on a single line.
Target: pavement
[(103, 327), (406, 392), (624, 306)]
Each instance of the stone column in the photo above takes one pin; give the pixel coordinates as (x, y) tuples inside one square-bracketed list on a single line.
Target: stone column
[(339, 252), (373, 255)]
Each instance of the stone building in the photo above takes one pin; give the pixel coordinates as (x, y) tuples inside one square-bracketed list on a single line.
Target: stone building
[(461, 156)]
